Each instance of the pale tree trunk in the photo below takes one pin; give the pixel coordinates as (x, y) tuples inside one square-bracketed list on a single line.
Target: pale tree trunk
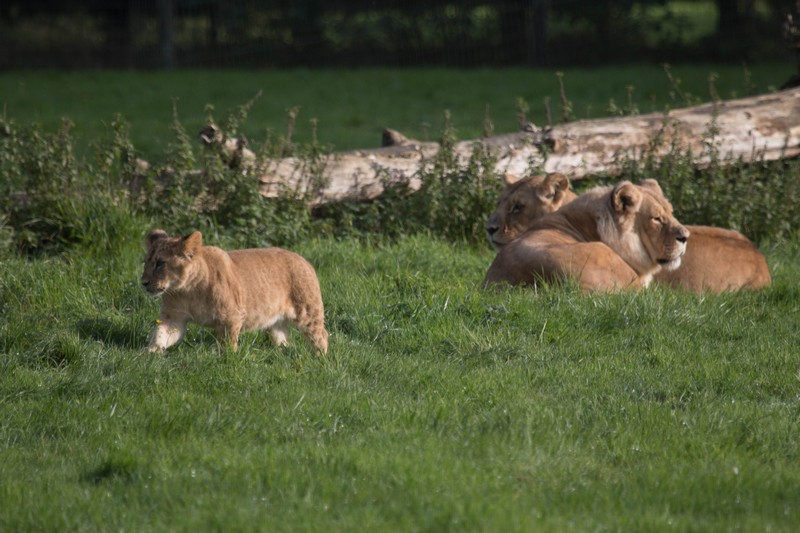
[(765, 127)]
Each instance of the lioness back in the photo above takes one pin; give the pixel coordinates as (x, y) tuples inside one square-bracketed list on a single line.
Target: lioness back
[(231, 291)]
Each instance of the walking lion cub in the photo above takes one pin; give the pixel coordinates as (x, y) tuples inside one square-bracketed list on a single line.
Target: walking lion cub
[(230, 291)]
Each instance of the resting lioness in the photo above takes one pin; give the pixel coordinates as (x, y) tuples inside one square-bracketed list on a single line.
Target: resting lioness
[(523, 201), (716, 259), (230, 291), (608, 238)]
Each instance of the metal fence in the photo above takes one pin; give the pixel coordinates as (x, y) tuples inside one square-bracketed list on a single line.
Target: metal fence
[(334, 33)]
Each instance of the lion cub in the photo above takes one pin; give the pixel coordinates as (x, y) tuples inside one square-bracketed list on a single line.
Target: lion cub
[(230, 291)]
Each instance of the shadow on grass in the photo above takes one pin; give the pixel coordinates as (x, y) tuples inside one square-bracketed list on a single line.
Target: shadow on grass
[(119, 469), (111, 332)]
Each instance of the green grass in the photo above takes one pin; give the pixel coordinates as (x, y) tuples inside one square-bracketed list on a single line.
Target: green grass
[(352, 106), (440, 406)]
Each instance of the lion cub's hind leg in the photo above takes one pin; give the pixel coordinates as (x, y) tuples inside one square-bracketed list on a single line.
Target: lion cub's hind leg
[(311, 322), (229, 334), (311, 327)]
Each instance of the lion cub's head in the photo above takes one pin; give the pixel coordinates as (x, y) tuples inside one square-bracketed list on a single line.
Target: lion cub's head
[(523, 202), (168, 260)]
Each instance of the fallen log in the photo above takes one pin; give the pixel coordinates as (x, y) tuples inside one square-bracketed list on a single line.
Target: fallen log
[(764, 127)]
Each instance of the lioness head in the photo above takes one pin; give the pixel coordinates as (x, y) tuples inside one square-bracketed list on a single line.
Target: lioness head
[(168, 260), (642, 228), (524, 201)]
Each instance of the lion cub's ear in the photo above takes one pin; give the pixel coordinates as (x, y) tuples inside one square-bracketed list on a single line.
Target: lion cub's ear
[(510, 179), (192, 243), (626, 198), (153, 236)]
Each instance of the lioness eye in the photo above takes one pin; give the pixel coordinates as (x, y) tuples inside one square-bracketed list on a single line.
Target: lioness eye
[(159, 264), (516, 208), (660, 220)]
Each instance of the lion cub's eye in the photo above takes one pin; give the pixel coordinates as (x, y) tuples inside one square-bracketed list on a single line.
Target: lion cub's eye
[(659, 220), (159, 264), (516, 208)]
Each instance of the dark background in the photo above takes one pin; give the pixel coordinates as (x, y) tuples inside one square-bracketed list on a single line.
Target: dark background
[(337, 33)]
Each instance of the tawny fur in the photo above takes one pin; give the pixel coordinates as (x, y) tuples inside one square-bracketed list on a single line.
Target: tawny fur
[(522, 202), (230, 291), (608, 238), (716, 259)]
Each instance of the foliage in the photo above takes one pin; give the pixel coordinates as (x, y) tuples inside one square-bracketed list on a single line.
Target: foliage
[(213, 191), (87, 33), (53, 200), (452, 201), (49, 200)]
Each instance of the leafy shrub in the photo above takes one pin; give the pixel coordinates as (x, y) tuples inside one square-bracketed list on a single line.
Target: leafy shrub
[(215, 193), (758, 198), (50, 201), (451, 202)]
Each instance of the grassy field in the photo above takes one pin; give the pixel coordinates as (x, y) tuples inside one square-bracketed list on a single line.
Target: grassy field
[(440, 407), (353, 107)]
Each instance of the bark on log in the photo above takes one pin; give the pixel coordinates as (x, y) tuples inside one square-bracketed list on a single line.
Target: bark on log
[(765, 126)]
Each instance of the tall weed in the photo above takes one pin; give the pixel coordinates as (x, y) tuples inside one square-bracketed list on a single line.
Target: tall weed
[(210, 189), (51, 201), (758, 198), (48, 199)]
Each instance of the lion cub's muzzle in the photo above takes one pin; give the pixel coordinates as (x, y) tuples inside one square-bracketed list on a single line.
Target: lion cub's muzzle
[(152, 287)]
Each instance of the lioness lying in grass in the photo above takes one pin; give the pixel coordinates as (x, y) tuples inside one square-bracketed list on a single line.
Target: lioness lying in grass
[(716, 259), (608, 238)]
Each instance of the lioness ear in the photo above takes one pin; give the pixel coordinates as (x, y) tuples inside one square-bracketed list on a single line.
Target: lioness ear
[(558, 183), (652, 184), (626, 198), (192, 243), (510, 179), (153, 236), (551, 190), (559, 180)]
